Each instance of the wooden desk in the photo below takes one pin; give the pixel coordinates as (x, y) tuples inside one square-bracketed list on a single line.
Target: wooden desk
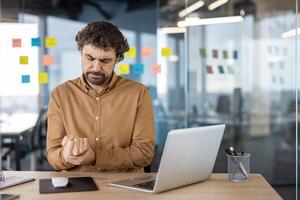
[(218, 187)]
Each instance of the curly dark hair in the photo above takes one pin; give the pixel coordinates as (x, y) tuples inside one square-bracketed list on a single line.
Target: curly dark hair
[(103, 35)]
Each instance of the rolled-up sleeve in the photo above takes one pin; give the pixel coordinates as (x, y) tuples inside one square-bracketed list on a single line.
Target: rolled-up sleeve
[(55, 134), (141, 150)]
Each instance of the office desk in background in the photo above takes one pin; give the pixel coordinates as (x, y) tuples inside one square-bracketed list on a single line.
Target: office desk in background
[(218, 187)]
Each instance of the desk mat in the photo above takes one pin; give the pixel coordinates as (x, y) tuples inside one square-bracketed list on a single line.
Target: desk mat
[(75, 184)]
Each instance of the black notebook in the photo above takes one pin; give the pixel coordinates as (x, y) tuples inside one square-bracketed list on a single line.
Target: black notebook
[(75, 184)]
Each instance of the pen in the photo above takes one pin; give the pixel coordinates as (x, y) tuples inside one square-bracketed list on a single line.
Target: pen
[(232, 150)]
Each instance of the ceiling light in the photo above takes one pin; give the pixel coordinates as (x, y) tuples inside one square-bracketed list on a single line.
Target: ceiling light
[(216, 4), (191, 8), (290, 33), (196, 21), (173, 30)]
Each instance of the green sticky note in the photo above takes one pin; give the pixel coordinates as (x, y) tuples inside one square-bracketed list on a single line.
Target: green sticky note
[(23, 60), (225, 54), (166, 52), (203, 52)]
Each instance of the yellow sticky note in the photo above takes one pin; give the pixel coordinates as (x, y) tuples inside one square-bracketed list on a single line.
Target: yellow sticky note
[(50, 42), (131, 53), (23, 60), (123, 69), (166, 52), (43, 77)]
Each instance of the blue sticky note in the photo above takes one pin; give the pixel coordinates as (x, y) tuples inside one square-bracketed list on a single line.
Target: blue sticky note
[(25, 78), (221, 69), (235, 54), (36, 42), (138, 68)]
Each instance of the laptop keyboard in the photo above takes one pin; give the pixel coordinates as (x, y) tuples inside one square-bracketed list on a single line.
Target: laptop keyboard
[(147, 185)]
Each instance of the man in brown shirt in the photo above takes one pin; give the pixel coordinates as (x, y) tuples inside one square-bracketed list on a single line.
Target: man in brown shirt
[(100, 121)]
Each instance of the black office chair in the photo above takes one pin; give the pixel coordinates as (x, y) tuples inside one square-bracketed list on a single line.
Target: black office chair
[(33, 140)]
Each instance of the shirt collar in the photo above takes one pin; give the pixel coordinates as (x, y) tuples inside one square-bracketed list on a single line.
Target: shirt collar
[(86, 87)]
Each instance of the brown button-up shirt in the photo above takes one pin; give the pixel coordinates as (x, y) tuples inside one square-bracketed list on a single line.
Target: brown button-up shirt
[(118, 122)]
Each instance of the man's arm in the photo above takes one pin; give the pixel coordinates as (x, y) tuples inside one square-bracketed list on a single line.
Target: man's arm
[(141, 150), (55, 134)]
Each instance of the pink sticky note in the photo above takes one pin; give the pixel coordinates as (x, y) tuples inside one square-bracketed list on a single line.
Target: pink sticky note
[(147, 52), (156, 68), (16, 42), (48, 59)]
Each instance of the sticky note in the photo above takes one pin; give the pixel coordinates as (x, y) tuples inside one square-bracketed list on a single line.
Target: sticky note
[(209, 69), (24, 60), (123, 69), (225, 54), (48, 59), (230, 70), (131, 53), (43, 77), (235, 54), (202, 52), (36, 42), (138, 68), (166, 52), (221, 69), (50, 42), (156, 68), (16, 42), (215, 53), (146, 52), (25, 78)]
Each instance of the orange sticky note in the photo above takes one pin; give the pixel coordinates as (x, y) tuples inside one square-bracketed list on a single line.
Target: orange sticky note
[(48, 59), (166, 52), (50, 42), (146, 52), (131, 53), (43, 77), (23, 60), (16, 42), (123, 69), (156, 68)]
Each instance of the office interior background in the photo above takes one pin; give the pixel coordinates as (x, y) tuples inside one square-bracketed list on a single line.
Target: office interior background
[(240, 68)]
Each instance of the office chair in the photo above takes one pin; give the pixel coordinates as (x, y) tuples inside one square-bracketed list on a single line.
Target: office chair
[(33, 141)]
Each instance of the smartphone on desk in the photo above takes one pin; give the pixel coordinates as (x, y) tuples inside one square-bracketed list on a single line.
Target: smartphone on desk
[(4, 196)]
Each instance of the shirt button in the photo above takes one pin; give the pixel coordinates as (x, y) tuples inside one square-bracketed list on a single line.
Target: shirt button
[(97, 139), (96, 118), (97, 98)]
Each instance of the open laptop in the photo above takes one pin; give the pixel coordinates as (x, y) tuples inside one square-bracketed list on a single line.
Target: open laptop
[(189, 156)]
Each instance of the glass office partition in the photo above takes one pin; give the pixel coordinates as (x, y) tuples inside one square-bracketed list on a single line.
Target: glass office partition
[(240, 69)]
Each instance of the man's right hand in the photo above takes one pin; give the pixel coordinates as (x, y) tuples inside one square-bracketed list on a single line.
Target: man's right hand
[(73, 147)]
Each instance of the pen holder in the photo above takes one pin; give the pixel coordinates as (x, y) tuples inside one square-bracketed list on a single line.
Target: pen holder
[(238, 167)]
